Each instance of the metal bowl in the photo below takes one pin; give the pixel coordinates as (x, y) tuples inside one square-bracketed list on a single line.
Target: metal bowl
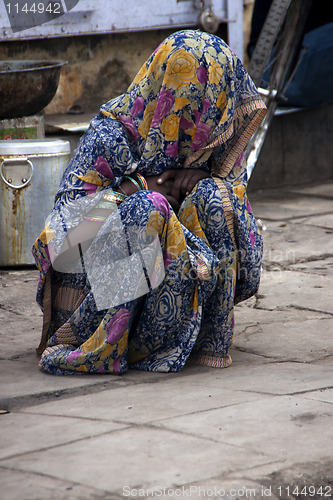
[(26, 87)]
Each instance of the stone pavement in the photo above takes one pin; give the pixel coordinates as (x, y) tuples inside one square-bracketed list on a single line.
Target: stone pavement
[(259, 429)]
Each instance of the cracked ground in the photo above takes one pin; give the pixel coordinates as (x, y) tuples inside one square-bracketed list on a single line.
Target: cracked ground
[(261, 428)]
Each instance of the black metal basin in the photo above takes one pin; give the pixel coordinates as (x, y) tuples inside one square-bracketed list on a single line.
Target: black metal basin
[(26, 87)]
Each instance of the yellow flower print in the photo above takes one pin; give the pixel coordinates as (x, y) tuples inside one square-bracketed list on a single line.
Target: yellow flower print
[(239, 191), (160, 56), (141, 74), (170, 127), (215, 72), (189, 218), (180, 103), (181, 70), (47, 235), (82, 368), (191, 131), (110, 115), (148, 116), (108, 349), (92, 177), (223, 105), (195, 300), (164, 50), (221, 100), (122, 343), (95, 341), (175, 240), (154, 224)]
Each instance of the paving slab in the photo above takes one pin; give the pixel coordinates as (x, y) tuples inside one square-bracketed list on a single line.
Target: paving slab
[(282, 340), (32, 433), (284, 206), (247, 314), (263, 422), (18, 337), (242, 358), (20, 317), (296, 243), (321, 190), (22, 282), (324, 221), (326, 361), (285, 427), (279, 378), (314, 479), (136, 457), (324, 395), (217, 489), (282, 289), (19, 379), (146, 403), (323, 267), (18, 485)]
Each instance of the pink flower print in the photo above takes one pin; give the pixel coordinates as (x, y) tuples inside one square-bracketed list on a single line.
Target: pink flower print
[(50, 252), (202, 74), (252, 238), (117, 325), (160, 202), (73, 356), (102, 166), (248, 206), (129, 124), (138, 106), (239, 160), (90, 188), (206, 105), (172, 149), (45, 264), (116, 365), (167, 259), (154, 279), (164, 104), (185, 124), (101, 369), (201, 136)]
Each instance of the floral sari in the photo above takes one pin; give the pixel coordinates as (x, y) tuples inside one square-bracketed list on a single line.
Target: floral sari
[(192, 105)]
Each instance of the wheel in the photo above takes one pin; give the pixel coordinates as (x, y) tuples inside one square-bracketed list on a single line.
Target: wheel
[(273, 62)]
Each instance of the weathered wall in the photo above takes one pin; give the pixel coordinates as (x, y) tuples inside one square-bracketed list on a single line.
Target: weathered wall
[(99, 67), (298, 150)]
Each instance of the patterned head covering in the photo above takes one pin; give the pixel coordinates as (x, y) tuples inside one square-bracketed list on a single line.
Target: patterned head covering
[(191, 96)]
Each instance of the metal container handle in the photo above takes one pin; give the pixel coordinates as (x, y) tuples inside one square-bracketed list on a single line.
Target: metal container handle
[(16, 160)]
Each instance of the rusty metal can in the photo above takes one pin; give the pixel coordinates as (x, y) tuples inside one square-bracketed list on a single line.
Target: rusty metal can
[(30, 174)]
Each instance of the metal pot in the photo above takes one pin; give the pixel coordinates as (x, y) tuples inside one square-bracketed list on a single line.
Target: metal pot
[(26, 87), (30, 174)]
